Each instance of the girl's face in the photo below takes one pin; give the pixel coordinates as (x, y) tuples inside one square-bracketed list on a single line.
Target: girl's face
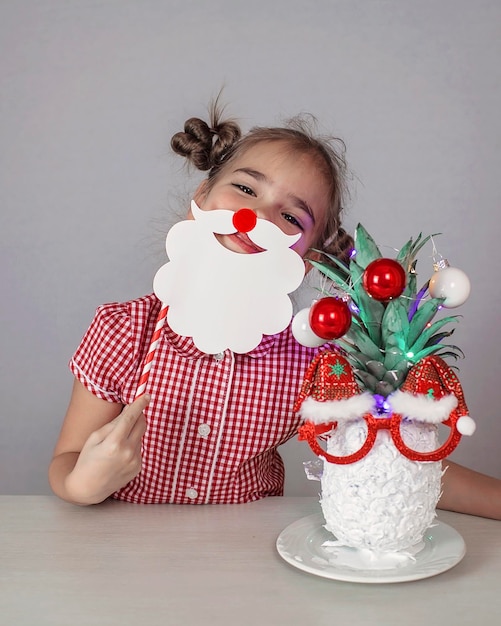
[(280, 186)]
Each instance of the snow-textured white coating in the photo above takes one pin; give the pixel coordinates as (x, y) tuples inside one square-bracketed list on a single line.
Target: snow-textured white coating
[(384, 502)]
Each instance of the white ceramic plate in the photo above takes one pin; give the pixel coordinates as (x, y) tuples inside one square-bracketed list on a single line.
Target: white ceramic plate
[(300, 544)]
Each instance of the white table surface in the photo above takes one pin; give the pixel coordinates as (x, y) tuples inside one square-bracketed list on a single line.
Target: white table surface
[(124, 564)]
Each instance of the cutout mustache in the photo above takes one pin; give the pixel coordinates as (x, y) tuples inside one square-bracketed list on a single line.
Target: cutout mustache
[(264, 234)]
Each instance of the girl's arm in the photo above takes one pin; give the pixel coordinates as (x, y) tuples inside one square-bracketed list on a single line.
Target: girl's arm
[(99, 447), (467, 491)]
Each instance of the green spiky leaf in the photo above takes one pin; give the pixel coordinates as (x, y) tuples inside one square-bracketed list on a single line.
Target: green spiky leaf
[(343, 269), (366, 247), (394, 334), (423, 316), (358, 359), (370, 311), (395, 324), (438, 337), (335, 275), (404, 366), (368, 380), (446, 354), (364, 343), (409, 293), (393, 357), (436, 349), (418, 245), (456, 349), (404, 252), (409, 251), (429, 332)]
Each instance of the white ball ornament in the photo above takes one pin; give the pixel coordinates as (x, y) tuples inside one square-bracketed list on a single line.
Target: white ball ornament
[(302, 332), (450, 283)]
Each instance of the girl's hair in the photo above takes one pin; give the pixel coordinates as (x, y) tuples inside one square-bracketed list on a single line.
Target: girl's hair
[(211, 147)]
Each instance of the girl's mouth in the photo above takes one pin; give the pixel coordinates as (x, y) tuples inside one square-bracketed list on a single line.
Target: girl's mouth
[(239, 242)]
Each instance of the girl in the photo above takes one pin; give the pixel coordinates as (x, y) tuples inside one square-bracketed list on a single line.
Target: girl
[(210, 429)]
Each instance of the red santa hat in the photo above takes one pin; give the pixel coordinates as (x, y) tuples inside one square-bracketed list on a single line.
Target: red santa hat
[(432, 393), (330, 392)]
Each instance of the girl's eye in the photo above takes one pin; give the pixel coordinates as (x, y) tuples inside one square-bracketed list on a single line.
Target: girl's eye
[(245, 189), (290, 218)]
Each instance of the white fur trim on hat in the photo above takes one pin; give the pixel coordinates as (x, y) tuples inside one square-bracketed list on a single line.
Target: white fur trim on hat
[(347, 409), (422, 408)]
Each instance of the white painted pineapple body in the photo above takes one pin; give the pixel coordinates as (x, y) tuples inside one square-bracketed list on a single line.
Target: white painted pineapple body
[(383, 502), (379, 501)]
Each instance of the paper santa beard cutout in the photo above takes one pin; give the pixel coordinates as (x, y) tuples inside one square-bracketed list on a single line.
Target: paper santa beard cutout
[(224, 299)]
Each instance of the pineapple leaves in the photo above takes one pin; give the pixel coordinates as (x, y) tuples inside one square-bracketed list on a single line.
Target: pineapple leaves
[(409, 293), (417, 247), (395, 328), (446, 354), (438, 338), (395, 324), (405, 252), (386, 338), (437, 349), (428, 337), (335, 275), (409, 251), (343, 269), (424, 314), (368, 380), (366, 248), (358, 359), (370, 311), (364, 343)]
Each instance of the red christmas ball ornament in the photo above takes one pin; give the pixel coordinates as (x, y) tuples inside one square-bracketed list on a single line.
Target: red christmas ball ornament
[(384, 279), (330, 318)]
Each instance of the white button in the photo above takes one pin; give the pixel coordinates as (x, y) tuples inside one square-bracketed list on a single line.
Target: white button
[(219, 356), (191, 493), (204, 430)]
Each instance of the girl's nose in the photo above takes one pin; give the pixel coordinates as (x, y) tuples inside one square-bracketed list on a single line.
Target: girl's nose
[(244, 220)]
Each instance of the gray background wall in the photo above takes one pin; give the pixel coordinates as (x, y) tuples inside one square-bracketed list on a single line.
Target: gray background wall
[(91, 92)]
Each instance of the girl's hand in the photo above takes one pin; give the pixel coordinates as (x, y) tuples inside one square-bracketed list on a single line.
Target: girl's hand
[(111, 456)]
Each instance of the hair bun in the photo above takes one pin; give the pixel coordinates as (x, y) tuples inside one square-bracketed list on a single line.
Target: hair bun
[(195, 143), (205, 146), (226, 134)]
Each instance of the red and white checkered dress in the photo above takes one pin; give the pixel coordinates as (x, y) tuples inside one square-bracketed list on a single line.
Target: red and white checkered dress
[(214, 422)]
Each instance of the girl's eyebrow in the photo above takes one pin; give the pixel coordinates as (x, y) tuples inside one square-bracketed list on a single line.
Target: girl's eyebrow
[(304, 206), (299, 202), (254, 173)]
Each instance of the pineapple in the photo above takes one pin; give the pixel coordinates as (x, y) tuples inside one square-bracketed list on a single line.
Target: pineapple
[(382, 501)]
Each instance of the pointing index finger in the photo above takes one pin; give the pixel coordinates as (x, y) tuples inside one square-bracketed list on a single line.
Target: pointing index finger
[(127, 419)]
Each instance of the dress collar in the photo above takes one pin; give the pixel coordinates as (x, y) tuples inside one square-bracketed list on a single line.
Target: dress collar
[(185, 347)]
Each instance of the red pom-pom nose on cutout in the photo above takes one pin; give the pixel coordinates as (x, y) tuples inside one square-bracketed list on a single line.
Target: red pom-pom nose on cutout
[(244, 220)]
